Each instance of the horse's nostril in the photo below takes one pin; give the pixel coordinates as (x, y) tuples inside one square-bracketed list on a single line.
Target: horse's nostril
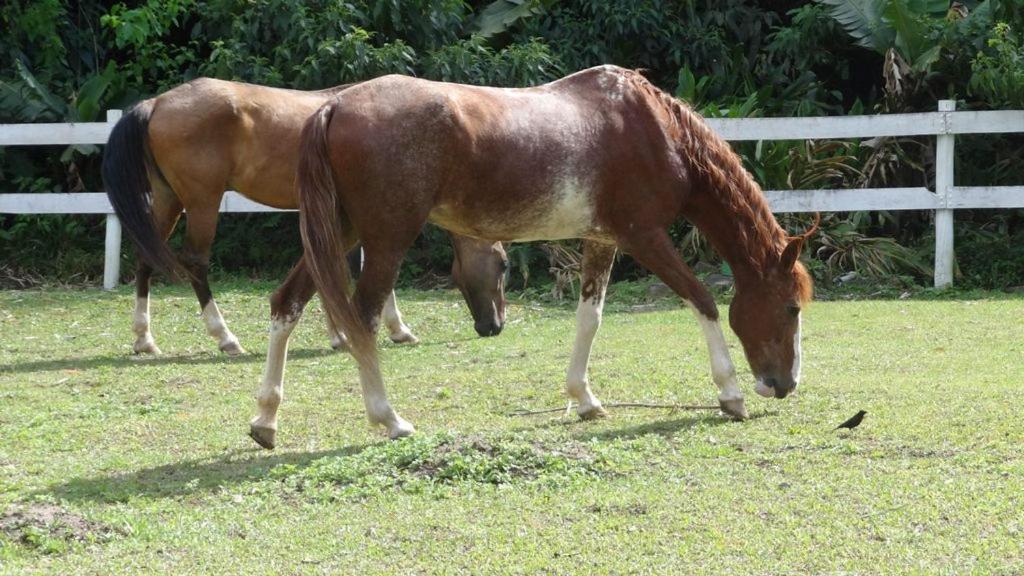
[(770, 382)]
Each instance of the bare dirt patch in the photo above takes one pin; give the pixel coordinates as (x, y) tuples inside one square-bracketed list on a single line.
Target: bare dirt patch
[(44, 525)]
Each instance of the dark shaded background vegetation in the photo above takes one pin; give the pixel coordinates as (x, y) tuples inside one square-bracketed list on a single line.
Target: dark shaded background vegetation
[(64, 60)]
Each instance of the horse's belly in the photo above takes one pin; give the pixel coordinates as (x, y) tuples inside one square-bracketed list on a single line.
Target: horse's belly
[(567, 211)]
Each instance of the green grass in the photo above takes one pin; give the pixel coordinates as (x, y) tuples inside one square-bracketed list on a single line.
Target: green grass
[(155, 451)]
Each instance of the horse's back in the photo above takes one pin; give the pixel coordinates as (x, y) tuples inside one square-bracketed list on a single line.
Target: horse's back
[(539, 156), (208, 134)]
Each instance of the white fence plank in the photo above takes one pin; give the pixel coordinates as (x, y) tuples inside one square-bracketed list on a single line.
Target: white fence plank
[(735, 129), (987, 122), (97, 203), (54, 134), (235, 202), (55, 203), (849, 200), (987, 197), (813, 128)]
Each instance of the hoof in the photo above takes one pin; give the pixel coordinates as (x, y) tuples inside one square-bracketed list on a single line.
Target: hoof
[(262, 435), (735, 408), (145, 345), (232, 348), (401, 429), (593, 413), (148, 347), (404, 338)]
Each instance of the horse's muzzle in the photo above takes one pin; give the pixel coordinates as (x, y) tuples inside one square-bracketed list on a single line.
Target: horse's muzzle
[(489, 328), (775, 387)]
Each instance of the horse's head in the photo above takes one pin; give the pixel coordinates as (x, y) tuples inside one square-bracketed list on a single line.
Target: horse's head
[(479, 272), (765, 315)]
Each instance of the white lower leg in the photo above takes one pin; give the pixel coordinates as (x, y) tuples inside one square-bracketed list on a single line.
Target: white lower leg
[(218, 329), (144, 343), (271, 391), (722, 370), (397, 330), (577, 385), (378, 409)]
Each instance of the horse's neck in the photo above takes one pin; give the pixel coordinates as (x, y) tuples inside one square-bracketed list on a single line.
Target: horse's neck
[(744, 234)]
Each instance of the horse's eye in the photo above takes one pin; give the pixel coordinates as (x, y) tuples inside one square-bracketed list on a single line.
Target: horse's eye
[(793, 309)]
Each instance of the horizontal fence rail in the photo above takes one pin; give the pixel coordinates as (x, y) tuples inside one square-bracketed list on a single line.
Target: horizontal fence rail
[(944, 125)]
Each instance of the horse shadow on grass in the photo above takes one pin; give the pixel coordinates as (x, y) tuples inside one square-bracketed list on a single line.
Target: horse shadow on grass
[(189, 477), (205, 475), (666, 428), (122, 361)]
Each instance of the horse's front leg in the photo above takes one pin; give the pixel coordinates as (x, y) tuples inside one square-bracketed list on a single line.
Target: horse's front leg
[(286, 307), (596, 268), (654, 250), (398, 332), (144, 343)]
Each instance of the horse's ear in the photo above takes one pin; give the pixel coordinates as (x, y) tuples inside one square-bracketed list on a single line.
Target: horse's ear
[(791, 253)]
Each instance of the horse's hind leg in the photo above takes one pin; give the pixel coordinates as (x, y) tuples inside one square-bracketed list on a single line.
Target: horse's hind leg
[(374, 287), (166, 211), (202, 225), (654, 250), (597, 264), (286, 307)]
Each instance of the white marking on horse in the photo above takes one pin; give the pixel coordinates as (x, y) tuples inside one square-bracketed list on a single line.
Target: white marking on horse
[(271, 391), (378, 409), (144, 342), (612, 82), (797, 351), (216, 327), (569, 213), (397, 329), (588, 320), (722, 370)]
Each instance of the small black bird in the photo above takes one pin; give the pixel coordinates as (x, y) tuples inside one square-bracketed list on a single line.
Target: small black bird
[(853, 422)]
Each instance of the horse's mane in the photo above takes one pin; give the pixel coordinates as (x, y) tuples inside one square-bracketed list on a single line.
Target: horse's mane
[(722, 172)]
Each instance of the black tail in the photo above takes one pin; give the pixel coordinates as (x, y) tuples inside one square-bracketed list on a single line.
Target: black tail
[(127, 165)]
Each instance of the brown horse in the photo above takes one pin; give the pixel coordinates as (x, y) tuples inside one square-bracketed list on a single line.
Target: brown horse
[(601, 155), (183, 148)]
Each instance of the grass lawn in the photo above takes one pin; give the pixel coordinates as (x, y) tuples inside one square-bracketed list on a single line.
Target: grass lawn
[(113, 464)]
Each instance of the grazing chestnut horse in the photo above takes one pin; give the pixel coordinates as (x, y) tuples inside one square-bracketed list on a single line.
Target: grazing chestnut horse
[(184, 147), (601, 155)]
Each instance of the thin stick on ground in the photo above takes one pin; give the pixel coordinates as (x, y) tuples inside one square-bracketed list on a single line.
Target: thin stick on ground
[(622, 405)]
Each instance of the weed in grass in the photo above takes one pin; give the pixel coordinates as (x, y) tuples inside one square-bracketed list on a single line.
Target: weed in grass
[(426, 464)]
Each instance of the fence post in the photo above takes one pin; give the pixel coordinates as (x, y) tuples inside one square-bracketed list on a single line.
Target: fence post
[(112, 244), (943, 189), (112, 258)]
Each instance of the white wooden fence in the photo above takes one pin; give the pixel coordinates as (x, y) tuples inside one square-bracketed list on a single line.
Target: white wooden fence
[(943, 124)]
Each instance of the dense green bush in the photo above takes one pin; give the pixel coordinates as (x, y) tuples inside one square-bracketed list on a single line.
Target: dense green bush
[(72, 60)]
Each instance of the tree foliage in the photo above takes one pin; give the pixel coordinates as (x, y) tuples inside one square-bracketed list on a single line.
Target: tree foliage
[(71, 61)]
